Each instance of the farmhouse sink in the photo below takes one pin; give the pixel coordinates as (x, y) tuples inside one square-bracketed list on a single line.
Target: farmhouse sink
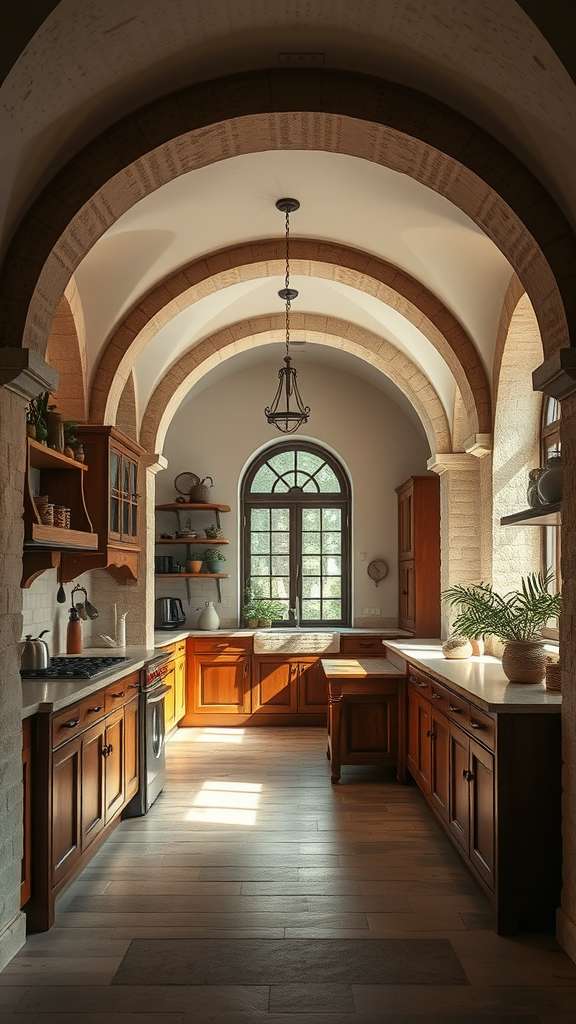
[(299, 641)]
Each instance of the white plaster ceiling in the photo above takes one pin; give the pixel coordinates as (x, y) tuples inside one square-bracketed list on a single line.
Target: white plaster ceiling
[(343, 199), (89, 64)]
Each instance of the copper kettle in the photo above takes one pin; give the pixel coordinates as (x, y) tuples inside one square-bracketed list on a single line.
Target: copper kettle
[(35, 653)]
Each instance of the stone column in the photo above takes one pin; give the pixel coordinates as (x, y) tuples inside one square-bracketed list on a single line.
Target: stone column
[(557, 377), (23, 375), (462, 515)]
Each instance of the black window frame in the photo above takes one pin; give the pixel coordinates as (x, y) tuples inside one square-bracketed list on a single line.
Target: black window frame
[(296, 499)]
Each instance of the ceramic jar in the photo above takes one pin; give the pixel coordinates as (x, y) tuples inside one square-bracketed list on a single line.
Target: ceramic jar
[(209, 618)]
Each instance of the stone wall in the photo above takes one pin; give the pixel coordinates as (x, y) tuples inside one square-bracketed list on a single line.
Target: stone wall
[(12, 460)]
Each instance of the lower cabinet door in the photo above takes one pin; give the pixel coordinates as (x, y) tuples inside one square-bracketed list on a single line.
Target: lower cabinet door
[(132, 744), (180, 688), (66, 809), (482, 812), (439, 762), (459, 803), (312, 687), (93, 771), (274, 686), (419, 744), (114, 763), (221, 684)]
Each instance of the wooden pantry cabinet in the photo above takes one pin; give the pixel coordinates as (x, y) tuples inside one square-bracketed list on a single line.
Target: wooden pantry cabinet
[(493, 780), (419, 556), (85, 769)]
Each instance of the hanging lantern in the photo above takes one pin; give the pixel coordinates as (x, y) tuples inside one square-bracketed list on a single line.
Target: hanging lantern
[(287, 411)]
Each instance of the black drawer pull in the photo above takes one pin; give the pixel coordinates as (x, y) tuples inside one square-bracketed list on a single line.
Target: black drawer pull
[(423, 685), (413, 679), (430, 734), (118, 695), (452, 707), (71, 724), (468, 775), (475, 725), (92, 711), (367, 643), (133, 686)]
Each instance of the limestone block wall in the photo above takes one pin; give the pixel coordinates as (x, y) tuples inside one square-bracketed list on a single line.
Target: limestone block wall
[(12, 460)]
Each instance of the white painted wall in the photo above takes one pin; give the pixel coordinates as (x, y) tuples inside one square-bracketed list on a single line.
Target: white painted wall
[(218, 431)]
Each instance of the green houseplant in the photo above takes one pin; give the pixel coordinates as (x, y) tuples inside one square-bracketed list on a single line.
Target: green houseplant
[(260, 611), (213, 559), (516, 619)]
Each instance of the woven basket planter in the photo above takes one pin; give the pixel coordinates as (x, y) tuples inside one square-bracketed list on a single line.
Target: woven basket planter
[(524, 661)]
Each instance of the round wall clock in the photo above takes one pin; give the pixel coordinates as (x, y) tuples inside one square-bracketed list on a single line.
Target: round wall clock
[(377, 570)]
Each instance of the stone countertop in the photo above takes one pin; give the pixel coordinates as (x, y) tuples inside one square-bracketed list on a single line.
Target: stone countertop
[(54, 694), (163, 637), (480, 679)]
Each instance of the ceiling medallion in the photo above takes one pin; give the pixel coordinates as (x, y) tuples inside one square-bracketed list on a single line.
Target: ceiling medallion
[(287, 411)]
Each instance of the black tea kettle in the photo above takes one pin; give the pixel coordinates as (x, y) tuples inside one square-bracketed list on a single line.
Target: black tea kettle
[(169, 613)]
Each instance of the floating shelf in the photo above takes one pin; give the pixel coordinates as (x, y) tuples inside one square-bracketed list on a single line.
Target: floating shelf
[(208, 541), (193, 575), (41, 457), (181, 506), (549, 515), (59, 539)]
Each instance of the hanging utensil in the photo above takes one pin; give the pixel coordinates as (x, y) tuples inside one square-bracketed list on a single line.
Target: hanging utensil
[(80, 608), (61, 595), (91, 611)]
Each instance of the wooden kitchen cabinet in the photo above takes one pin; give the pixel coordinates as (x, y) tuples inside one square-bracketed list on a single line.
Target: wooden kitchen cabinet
[(274, 686), (221, 684), (113, 503), (180, 687), (419, 555), (175, 700), (170, 699), (85, 769), (26, 871), (494, 782)]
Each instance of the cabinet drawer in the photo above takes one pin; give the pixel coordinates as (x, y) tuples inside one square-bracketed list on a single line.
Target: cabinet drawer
[(66, 724), (225, 645), (92, 708), (179, 648), (482, 727), (419, 681), (118, 694), (362, 645)]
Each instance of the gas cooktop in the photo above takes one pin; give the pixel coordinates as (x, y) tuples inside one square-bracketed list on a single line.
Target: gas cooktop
[(73, 668)]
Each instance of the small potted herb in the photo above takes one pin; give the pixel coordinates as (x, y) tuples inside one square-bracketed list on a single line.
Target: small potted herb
[(213, 559)]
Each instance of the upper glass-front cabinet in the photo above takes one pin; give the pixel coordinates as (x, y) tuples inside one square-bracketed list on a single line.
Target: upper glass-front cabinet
[(123, 485)]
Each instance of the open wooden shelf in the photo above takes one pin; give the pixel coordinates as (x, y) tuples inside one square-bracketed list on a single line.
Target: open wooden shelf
[(208, 541), (57, 538), (193, 575), (548, 515), (181, 506), (41, 457)]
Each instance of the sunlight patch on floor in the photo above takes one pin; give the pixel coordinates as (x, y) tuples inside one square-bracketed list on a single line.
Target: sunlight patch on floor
[(226, 803)]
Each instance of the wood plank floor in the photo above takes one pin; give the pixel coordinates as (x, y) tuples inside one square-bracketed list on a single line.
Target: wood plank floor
[(250, 852)]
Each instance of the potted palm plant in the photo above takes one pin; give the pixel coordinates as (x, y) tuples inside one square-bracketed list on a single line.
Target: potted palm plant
[(516, 619)]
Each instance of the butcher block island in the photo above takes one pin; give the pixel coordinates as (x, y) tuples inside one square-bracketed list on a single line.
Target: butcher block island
[(486, 755), (366, 722)]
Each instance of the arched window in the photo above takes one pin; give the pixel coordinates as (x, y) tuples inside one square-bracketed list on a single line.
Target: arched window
[(296, 517), (551, 455)]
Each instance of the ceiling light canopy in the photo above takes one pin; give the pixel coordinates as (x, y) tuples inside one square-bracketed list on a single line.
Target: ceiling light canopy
[(287, 411)]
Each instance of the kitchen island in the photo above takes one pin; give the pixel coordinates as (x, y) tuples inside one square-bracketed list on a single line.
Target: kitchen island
[(486, 754)]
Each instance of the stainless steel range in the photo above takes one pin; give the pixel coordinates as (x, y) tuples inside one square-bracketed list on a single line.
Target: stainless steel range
[(73, 667), (152, 737)]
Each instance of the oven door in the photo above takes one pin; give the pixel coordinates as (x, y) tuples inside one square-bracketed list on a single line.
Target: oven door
[(154, 742)]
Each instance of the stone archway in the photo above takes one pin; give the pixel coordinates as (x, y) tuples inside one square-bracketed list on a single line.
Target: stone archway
[(182, 376), (331, 110), (379, 278), (66, 352)]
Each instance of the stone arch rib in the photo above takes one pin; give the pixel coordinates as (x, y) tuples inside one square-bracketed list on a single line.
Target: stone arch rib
[(182, 376), (296, 109), (349, 266)]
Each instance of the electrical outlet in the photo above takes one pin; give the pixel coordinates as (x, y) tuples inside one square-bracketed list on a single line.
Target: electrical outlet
[(371, 611), (362, 556)]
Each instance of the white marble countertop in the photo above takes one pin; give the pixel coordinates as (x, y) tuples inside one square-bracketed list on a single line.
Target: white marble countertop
[(479, 679), (55, 694)]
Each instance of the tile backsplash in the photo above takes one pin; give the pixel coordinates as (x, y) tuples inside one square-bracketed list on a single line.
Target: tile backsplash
[(40, 610)]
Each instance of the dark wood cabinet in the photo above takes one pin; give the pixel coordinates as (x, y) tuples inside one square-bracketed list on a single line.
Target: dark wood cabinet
[(419, 555), (494, 781), (112, 499), (66, 844), (93, 775), (85, 769)]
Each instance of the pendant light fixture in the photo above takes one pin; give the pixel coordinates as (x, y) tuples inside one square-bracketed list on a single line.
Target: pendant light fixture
[(287, 411)]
